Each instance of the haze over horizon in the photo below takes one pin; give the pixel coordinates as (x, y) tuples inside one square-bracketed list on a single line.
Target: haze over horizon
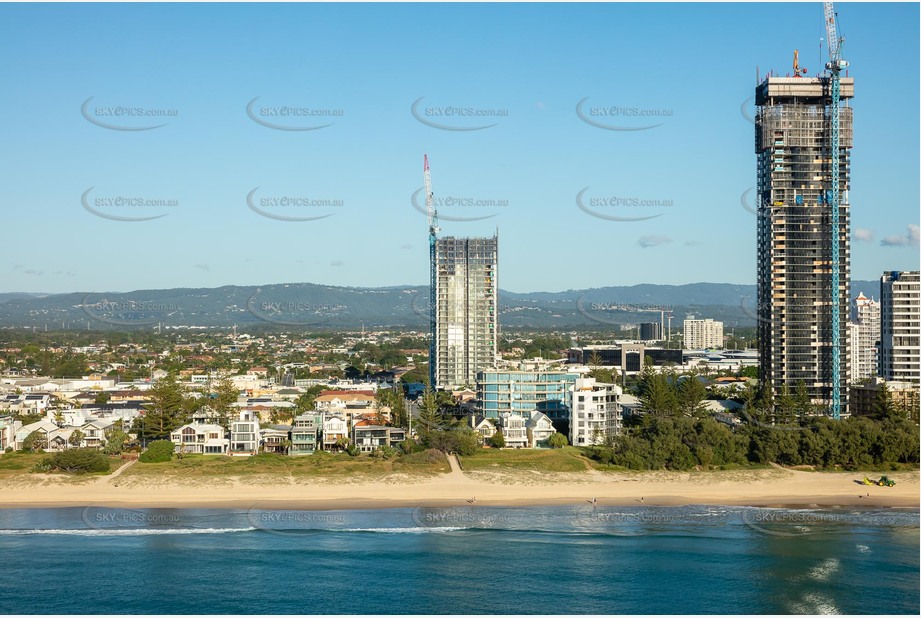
[(565, 86)]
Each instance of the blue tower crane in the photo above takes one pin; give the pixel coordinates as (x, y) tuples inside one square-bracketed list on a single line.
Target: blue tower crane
[(834, 65)]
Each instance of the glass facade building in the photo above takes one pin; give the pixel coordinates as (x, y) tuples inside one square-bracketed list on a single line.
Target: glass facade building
[(523, 391)]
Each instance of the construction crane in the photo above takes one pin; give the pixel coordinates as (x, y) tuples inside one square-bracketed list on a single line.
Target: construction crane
[(797, 70), (834, 65), (433, 237)]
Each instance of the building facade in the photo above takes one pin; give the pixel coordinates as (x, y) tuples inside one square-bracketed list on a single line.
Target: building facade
[(900, 326), (702, 334), (794, 248), (595, 412), (244, 434), (522, 391), (305, 428), (466, 309), (650, 331), (865, 342)]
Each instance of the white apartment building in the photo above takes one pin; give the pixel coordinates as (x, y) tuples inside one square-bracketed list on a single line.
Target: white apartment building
[(900, 326), (701, 334), (595, 412), (865, 340)]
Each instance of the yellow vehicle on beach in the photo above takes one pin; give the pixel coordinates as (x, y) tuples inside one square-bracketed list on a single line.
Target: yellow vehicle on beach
[(884, 481)]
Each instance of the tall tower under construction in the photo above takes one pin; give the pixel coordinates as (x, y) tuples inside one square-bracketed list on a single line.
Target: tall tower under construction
[(793, 142), (466, 308)]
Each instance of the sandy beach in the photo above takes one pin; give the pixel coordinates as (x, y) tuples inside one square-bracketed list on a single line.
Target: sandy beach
[(766, 487)]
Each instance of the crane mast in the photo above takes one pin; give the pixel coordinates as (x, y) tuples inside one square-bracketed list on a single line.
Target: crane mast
[(834, 66), (433, 236)]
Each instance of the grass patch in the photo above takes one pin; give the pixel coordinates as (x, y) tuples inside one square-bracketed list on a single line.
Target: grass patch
[(317, 464), (566, 459), (14, 464)]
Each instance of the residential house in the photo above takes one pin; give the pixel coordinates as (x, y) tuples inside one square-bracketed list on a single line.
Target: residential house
[(513, 429), (539, 429), (59, 439), (345, 401), (244, 434), (96, 432), (304, 431), (335, 428), (8, 428), (276, 439), (485, 427), (369, 437), (201, 439), (44, 427)]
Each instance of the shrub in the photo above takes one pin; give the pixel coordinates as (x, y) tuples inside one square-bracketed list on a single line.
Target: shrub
[(79, 461), (158, 451), (497, 440), (43, 465), (557, 440)]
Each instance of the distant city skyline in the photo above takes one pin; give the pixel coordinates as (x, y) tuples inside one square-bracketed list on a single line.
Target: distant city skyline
[(610, 143)]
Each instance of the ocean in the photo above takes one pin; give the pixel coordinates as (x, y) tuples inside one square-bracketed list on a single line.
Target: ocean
[(583, 559)]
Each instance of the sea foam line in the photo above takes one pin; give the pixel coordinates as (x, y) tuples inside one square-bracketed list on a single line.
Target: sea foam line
[(122, 532)]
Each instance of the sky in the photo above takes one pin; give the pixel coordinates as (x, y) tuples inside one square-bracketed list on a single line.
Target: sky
[(609, 144)]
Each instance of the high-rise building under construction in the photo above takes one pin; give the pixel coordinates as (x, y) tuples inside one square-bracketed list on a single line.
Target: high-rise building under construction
[(793, 141), (466, 309)]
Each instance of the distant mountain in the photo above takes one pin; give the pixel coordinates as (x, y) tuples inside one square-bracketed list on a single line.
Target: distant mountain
[(288, 306), (5, 296)]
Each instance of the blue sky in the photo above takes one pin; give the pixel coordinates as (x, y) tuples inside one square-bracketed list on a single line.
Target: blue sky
[(689, 67)]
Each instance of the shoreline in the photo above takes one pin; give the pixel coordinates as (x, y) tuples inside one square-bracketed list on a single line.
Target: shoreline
[(779, 488)]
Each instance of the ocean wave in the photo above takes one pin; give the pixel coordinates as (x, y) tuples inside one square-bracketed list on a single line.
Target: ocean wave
[(122, 532)]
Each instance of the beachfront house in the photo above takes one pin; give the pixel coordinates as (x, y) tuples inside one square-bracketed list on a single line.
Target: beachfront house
[(8, 428), (44, 428), (244, 434), (514, 429), (539, 429), (96, 433), (369, 437), (335, 432), (304, 431), (200, 439), (276, 439), (483, 426)]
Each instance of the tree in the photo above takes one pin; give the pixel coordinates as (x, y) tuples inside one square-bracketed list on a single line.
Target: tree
[(599, 371), (159, 451), (430, 417), (691, 395), (167, 410), (116, 442), (883, 407), (802, 404), (35, 442), (225, 395), (497, 440), (784, 411), (657, 394), (76, 438), (305, 403), (557, 440), (102, 398)]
